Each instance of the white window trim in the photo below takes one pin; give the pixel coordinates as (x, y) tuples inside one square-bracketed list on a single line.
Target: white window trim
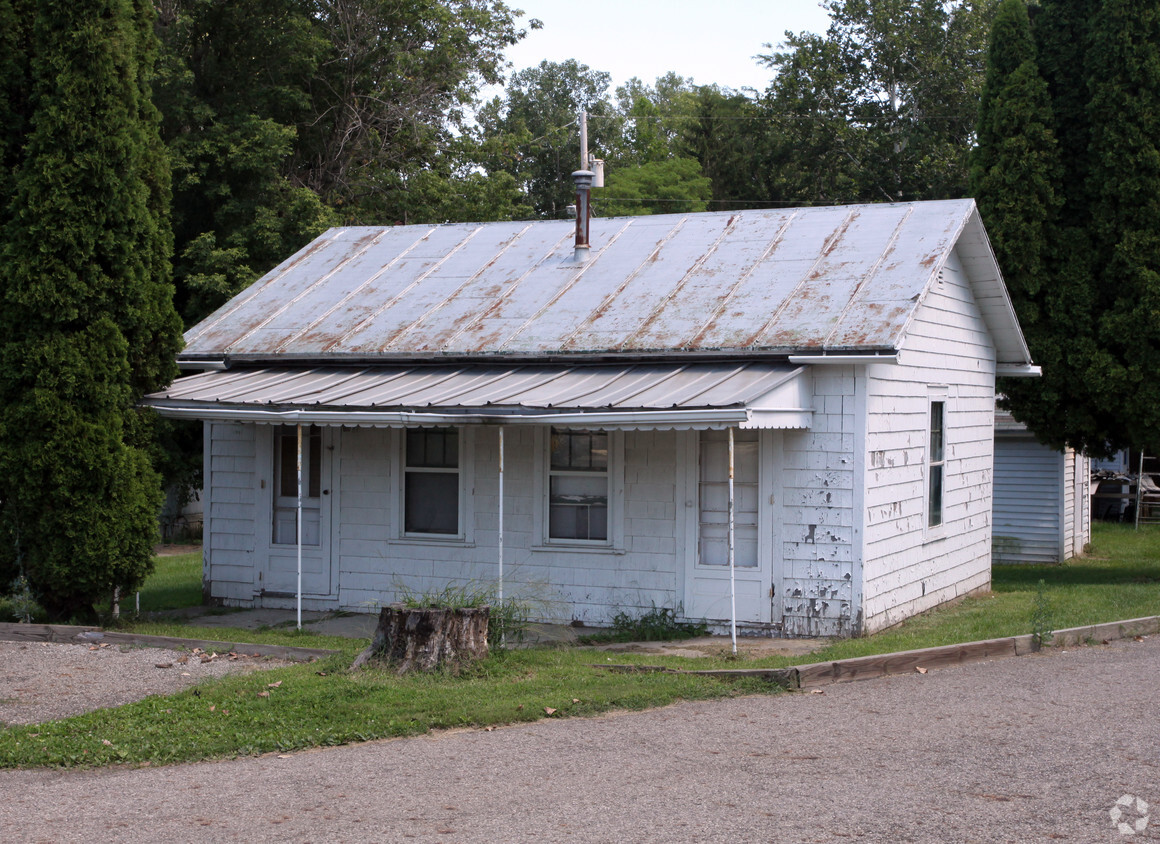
[(615, 542), (935, 532), (466, 471)]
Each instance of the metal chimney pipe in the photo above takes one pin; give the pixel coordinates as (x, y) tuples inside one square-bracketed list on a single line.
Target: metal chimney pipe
[(583, 179)]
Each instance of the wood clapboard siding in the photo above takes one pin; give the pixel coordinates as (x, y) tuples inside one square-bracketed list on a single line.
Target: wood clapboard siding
[(817, 511), (590, 585), (948, 355), (231, 481)]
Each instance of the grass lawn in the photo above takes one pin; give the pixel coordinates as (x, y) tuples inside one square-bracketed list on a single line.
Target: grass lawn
[(324, 704)]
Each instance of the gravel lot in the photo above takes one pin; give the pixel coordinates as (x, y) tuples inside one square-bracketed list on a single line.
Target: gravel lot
[(1036, 748), (42, 682)]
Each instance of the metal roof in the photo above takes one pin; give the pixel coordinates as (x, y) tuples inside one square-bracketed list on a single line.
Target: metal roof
[(813, 280), (631, 395)]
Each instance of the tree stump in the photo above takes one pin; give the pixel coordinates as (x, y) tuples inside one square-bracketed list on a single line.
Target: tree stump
[(426, 638)]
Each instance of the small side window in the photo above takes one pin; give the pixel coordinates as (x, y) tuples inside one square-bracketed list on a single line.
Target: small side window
[(936, 461)]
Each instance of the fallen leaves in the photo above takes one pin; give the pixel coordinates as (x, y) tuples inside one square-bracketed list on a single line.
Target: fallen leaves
[(920, 669), (549, 710)]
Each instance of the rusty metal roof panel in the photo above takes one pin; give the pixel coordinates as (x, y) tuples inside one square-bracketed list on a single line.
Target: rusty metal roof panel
[(475, 387), (785, 280)]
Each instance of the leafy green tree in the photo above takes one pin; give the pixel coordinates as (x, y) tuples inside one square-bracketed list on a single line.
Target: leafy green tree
[(534, 130), (232, 86), (881, 107), (87, 322), (668, 186)]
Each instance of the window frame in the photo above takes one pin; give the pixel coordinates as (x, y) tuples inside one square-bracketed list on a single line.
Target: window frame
[(543, 485), (935, 465), (461, 471), (313, 445)]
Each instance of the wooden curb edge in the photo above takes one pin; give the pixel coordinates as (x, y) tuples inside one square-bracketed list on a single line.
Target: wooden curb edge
[(813, 675), (78, 635)]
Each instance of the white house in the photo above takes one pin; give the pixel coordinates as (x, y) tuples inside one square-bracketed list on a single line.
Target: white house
[(850, 353), (1043, 503)]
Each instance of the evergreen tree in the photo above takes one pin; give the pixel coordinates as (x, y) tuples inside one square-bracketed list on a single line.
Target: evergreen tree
[(1088, 286), (87, 323), (1123, 111)]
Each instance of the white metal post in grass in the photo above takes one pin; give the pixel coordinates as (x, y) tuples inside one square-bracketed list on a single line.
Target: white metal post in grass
[(298, 531), (499, 542), (732, 560)]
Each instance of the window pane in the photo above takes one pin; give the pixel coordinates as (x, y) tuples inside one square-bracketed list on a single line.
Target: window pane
[(936, 432), (433, 448), (578, 508), (431, 503), (580, 450), (288, 465), (936, 479)]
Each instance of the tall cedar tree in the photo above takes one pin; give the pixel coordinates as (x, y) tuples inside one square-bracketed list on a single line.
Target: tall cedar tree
[(1092, 315), (88, 322), (1123, 68)]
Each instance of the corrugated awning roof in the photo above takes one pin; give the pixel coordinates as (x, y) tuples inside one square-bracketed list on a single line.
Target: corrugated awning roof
[(765, 281), (702, 395)]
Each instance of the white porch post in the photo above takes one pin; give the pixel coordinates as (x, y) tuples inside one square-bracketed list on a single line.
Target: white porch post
[(499, 542), (732, 567), (298, 531)]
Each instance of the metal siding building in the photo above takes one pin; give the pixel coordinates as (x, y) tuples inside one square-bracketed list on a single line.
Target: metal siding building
[(1042, 498), (823, 338)]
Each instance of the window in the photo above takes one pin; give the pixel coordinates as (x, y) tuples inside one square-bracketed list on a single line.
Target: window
[(578, 484), (286, 485), (713, 495), (935, 463), (431, 481)]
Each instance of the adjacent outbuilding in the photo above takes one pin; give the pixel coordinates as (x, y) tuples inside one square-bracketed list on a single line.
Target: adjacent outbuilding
[(471, 396), (1043, 498)]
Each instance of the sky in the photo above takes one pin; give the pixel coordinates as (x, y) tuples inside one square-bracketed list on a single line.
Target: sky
[(713, 42)]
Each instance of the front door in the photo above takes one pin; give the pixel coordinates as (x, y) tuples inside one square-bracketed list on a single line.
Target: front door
[(707, 592), (279, 577)]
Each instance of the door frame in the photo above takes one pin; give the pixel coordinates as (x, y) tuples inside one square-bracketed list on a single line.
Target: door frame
[(756, 606), (319, 581)]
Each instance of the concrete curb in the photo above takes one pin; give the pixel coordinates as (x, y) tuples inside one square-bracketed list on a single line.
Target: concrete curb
[(818, 674), (76, 635)]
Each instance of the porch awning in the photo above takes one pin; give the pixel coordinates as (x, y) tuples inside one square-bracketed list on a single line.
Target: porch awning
[(606, 396)]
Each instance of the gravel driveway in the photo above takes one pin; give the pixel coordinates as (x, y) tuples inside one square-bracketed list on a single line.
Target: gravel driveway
[(1037, 748), (42, 682)]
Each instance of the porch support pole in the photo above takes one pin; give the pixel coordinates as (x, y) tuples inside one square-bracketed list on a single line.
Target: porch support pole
[(298, 531), (499, 542), (732, 566)]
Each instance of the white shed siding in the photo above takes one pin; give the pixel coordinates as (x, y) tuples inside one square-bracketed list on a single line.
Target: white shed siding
[(1030, 505), (1042, 509), (818, 513), (948, 355), (231, 519)]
